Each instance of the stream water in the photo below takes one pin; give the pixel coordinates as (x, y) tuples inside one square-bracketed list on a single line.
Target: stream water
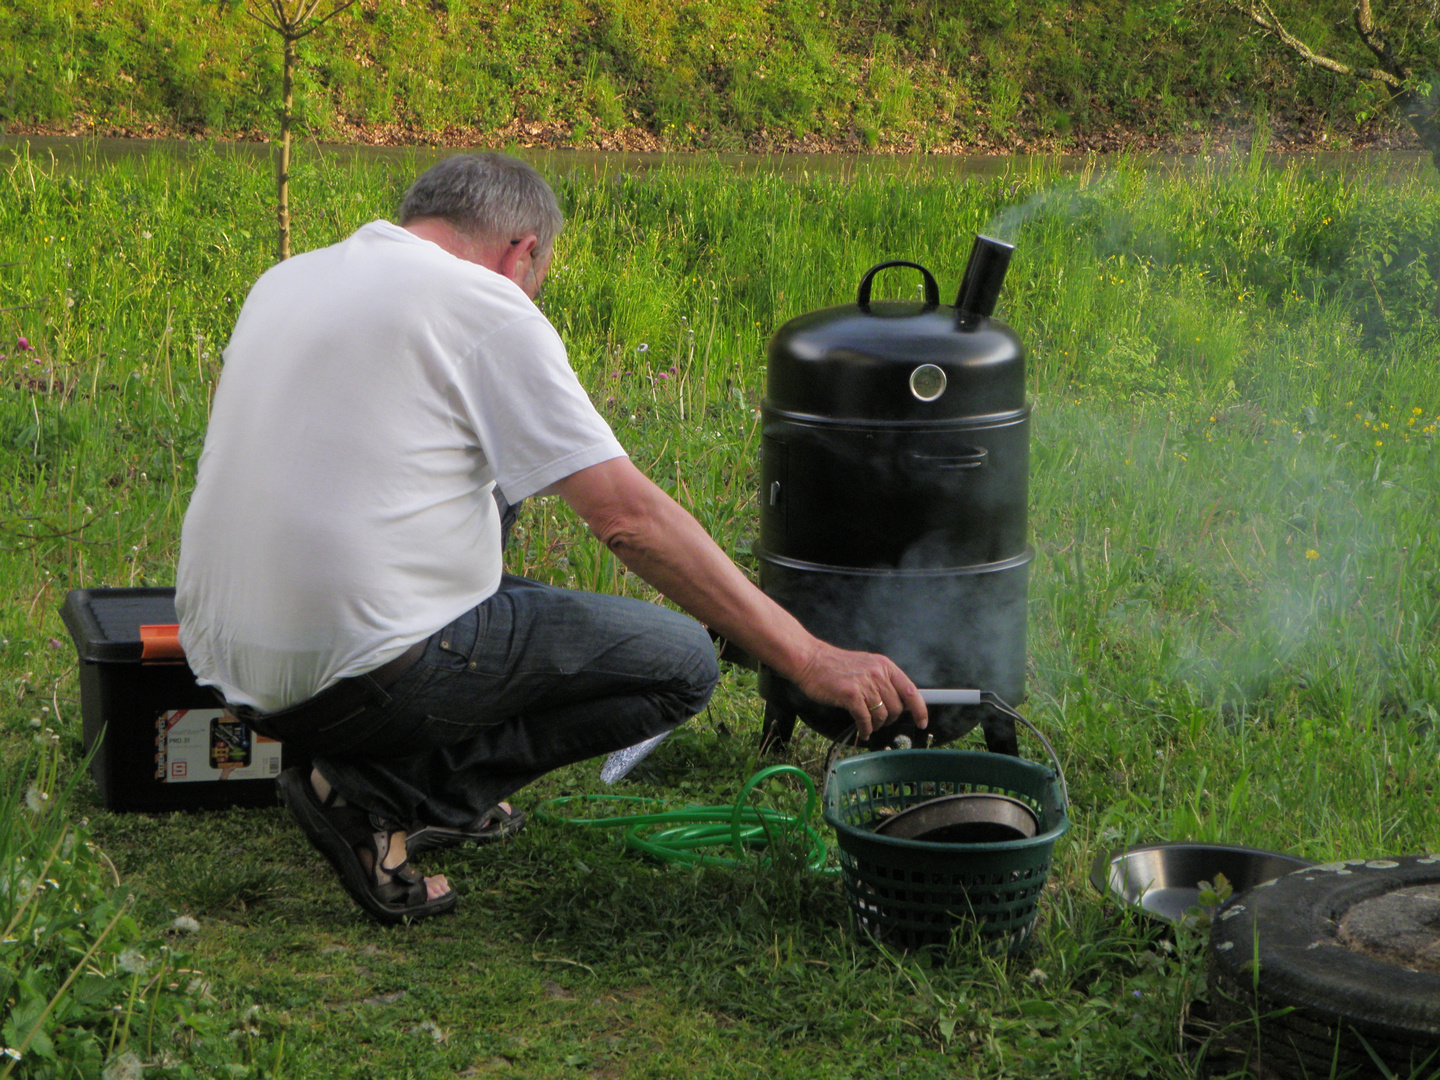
[(68, 151)]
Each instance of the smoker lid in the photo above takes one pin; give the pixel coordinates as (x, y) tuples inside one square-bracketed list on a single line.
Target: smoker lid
[(903, 361), (895, 361)]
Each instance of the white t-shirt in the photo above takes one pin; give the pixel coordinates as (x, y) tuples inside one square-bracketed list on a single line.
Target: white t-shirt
[(373, 394)]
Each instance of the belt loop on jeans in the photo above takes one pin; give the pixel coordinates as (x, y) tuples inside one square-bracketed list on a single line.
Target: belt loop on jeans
[(339, 700)]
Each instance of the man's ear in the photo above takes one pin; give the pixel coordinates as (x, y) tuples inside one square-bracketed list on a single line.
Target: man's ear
[(515, 260)]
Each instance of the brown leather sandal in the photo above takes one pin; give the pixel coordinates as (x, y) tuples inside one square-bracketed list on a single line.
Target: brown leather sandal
[(356, 844), (498, 823)]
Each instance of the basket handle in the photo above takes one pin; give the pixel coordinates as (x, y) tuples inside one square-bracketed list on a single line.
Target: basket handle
[(994, 699), (965, 697)]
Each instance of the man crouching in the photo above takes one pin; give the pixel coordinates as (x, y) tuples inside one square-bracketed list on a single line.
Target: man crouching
[(340, 580)]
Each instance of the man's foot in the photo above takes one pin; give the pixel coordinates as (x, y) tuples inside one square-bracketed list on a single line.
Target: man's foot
[(500, 822), (436, 885), (367, 852)]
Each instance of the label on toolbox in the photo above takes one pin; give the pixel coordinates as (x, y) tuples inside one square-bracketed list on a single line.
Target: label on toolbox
[(193, 745)]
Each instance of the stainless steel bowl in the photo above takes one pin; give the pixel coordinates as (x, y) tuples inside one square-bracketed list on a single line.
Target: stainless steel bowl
[(1163, 880), (966, 818)]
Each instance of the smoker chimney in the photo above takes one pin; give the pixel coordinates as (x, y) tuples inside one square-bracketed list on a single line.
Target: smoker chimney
[(984, 275)]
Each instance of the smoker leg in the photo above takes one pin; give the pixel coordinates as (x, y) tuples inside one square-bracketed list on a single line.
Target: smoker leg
[(999, 732), (776, 732)]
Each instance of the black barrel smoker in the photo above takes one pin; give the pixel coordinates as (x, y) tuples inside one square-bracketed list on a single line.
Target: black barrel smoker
[(894, 472)]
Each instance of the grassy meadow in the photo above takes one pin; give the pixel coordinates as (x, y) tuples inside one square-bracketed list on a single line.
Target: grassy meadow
[(1234, 610)]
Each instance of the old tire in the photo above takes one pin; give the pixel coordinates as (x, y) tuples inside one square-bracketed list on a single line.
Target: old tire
[(1301, 991)]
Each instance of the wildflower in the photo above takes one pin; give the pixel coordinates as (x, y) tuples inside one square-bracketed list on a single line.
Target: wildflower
[(133, 962), (1417, 410), (1311, 554), (126, 1066), (1379, 442), (184, 924), (11, 1053), (23, 345), (642, 347)]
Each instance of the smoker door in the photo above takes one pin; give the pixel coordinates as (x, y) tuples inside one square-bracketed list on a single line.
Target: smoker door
[(934, 497)]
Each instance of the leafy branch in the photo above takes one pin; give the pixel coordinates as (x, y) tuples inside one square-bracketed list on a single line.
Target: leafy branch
[(1394, 66)]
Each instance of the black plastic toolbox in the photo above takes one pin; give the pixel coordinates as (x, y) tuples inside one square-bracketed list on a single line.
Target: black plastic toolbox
[(168, 743)]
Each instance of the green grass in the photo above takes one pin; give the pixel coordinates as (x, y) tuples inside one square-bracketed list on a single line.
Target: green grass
[(1233, 606), (724, 74)]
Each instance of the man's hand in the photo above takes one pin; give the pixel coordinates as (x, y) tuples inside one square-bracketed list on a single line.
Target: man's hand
[(662, 543), (867, 686)]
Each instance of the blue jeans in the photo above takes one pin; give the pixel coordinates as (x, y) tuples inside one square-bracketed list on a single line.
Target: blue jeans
[(532, 679)]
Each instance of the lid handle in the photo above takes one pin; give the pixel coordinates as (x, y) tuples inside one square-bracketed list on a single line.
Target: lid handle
[(932, 290)]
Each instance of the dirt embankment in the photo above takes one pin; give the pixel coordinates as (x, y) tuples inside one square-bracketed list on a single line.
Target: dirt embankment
[(1288, 134)]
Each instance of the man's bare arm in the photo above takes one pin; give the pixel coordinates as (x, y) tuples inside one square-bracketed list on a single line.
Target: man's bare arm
[(659, 540)]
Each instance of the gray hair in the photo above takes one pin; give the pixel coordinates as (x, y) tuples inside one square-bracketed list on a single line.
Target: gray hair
[(487, 196)]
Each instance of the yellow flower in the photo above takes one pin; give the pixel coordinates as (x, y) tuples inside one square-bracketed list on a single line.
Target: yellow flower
[(1311, 554)]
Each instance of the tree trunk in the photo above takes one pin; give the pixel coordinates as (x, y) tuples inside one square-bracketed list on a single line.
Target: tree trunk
[(282, 176)]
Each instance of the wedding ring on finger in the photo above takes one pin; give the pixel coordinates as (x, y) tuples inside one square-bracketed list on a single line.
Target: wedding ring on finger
[(879, 706)]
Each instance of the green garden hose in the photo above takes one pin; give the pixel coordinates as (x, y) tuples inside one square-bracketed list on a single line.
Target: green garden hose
[(694, 835)]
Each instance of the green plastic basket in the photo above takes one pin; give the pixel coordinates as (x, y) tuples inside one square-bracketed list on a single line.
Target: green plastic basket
[(912, 893)]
